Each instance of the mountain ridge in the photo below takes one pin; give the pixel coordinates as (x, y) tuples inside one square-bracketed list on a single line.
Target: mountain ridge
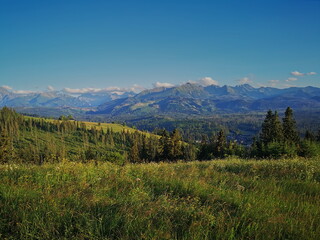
[(192, 98), (188, 98)]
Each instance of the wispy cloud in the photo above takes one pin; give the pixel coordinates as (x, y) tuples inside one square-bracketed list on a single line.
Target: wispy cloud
[(6, 87), (300, 74), (50, 88), (297, 74), (116, 90), (163, 84), (288, 85), (207, 81), (136, 88), (81, 90), (245, 80), (311, 73), (24, 92), (273, 83), (291, 79)]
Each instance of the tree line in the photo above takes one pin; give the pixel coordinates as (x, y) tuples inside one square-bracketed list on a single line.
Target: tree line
[(276, 139), (37, 140)]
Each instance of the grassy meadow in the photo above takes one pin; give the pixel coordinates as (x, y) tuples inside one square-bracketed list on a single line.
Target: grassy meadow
[(222, 199)]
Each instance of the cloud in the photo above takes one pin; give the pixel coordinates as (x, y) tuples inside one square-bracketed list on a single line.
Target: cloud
[(50, 88), (297, 74), (288, 85), (290, 79), (114, 90), (207, 81), (244, 80), (6, 87), (81, 90), (24, 92), (273, 83), (300, 74), (311, 73), (165, 85), (137, 88)]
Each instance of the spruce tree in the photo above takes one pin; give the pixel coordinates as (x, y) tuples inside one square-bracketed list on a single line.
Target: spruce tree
[(309, 136), (176, 148), (277, 130), (221, 143), (290, 132), (271, 129), (134, 153), (165, 144), (266, 135)]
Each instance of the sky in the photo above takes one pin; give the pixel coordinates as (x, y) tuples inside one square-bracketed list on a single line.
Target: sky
[(66, 44)]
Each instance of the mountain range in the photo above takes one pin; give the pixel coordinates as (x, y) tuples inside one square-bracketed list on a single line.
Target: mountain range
[(189, 98), (58, 99), (199, 100)]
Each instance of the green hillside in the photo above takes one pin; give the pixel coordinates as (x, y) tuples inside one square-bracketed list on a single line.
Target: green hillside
[(38, 141)]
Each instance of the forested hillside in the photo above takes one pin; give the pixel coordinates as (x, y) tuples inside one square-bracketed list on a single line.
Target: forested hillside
[(38, 140)]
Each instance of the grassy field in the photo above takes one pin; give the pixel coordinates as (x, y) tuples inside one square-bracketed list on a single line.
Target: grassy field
[(223, 199)]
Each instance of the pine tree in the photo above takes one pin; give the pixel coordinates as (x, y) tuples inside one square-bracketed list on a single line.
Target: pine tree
[(221, 144), (176, 148), (290, 132), (165, 145), (266, 129), (277, 130), (271, 129), (134, 153), (309, 136)]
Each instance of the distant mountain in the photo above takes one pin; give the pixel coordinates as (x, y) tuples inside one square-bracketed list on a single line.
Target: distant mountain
[(187, 99), (57, 99), (198, 100)]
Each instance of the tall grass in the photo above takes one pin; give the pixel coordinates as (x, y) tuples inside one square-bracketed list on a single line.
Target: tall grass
[(224, 199)]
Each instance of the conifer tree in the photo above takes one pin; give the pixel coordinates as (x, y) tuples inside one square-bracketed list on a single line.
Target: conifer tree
[(176, 149), (165, 145), (290, 132), (309, 136), (266, 129), (221, 143), (277, 129), (134, 153), (271, 129)]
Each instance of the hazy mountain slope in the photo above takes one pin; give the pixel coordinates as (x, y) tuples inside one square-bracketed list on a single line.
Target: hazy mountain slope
[(194, 99), (58, 99)]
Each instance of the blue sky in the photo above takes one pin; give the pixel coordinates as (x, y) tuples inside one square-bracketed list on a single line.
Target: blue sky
[(97, 44)]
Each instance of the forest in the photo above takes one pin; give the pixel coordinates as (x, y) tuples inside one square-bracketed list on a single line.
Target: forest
[(38, 140)]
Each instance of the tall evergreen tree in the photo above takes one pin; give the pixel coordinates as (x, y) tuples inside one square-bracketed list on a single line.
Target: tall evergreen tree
[(134, 153), (266, 128), (271, 130), (309, 136), (277, 129), (165, 146), (221, 144), (176, 148), (290, 132)]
